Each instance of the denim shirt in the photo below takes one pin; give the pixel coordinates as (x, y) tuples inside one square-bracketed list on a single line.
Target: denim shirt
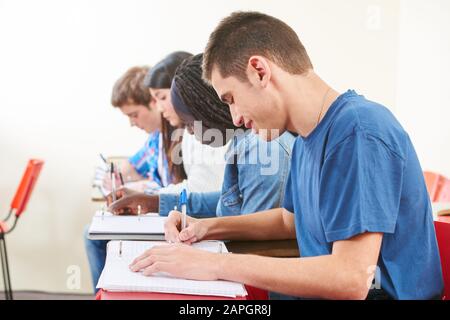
[(255, 178)]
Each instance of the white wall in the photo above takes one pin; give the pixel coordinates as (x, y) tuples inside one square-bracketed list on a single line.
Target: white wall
[(424, 80), (59, 59)]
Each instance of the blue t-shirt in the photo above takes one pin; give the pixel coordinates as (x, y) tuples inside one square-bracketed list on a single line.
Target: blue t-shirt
[(357, 172)]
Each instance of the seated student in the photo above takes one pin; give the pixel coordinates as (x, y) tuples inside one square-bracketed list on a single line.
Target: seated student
[(204, 174), (256, 171), (148, 169), (356, 197), (203, 164)]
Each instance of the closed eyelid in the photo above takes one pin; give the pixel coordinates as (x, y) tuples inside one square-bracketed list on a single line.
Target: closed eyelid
[(226, 98)]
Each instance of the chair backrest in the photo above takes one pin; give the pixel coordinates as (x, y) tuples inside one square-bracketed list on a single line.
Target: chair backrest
[(443, 191), (443, 239), (432, 181), (438, 187)]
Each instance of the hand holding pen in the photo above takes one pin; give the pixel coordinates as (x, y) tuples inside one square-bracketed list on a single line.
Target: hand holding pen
[(113, 182), (183, 203)]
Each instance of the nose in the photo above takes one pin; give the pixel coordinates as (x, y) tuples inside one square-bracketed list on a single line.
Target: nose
[(238, 120), (159, 106)]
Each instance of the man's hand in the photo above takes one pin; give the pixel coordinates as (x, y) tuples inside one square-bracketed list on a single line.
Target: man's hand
[(195, 229), (179, 260), (129, 201)]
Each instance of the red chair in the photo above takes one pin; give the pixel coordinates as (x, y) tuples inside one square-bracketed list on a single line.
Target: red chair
[(443, 191), (438, 187), (18, 206), (443, 239)]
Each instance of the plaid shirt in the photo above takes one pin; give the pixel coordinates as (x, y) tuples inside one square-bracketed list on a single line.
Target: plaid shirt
[(145, 161)]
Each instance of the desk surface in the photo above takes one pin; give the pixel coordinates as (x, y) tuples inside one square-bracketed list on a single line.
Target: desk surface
[(96, 195), (439, 206), (275, 248)]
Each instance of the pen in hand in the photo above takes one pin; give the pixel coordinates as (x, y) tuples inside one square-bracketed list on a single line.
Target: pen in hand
[(183, 201), (113, 182), (121, 178), (103, 158)]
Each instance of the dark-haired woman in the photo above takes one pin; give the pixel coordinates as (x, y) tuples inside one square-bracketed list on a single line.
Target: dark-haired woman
[(203, 165), (256, 171), (196, 167)]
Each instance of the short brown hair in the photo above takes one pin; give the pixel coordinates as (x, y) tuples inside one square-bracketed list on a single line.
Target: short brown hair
[(130, 89), (243, 34)]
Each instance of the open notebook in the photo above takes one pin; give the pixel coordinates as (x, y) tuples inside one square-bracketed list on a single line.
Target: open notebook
[(106, 226), (117, 276)]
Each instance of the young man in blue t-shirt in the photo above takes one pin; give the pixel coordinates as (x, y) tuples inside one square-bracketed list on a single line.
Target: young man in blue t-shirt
[(356, 199)]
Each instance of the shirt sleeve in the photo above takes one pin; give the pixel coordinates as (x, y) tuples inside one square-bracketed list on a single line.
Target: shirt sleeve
[(360, 188), (198, 204), (139, 162), (287, 201), (145, 161), (262, 182)]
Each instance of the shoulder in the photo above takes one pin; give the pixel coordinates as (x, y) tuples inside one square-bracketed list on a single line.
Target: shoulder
[(153, 139), (369, 121)]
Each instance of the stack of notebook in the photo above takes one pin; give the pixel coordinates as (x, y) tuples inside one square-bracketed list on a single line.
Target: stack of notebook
[(106, 226), (117, 276)]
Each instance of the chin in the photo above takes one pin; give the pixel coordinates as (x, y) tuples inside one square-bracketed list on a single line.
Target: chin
[(174, 123), (267, 134)]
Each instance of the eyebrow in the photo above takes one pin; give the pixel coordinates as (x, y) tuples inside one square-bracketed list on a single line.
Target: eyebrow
[(157, 94)]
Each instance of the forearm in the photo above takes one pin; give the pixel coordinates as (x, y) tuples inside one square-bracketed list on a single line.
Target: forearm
[(275, 224), (199, 204), (326, 277)]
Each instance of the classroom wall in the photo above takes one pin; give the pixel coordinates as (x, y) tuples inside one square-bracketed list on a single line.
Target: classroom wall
[(423, 101), (58, 61)]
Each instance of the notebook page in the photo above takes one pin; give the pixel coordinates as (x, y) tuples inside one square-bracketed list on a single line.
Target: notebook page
[(116, 275), (107, 214), (144, 224)]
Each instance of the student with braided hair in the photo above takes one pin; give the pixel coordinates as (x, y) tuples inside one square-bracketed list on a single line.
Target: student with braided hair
[(256, 171), (194, 166)]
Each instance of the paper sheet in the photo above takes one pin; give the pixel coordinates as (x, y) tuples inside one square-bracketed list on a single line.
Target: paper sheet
[(117, 276)]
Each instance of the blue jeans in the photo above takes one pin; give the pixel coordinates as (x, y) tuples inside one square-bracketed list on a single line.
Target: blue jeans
[(96, 253)]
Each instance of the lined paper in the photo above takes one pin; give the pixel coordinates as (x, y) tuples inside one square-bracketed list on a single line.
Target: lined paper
[(117, 276)]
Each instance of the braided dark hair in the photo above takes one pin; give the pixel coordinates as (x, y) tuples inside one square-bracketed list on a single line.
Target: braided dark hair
[(200, 97)]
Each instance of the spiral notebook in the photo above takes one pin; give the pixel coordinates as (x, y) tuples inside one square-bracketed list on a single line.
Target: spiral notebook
[(106, 226), (117, 276)]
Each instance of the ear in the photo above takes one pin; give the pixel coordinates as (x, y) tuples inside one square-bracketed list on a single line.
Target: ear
[(152, 105), (259, 72)]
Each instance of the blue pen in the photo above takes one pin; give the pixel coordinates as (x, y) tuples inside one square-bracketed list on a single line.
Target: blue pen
[(183, 202)]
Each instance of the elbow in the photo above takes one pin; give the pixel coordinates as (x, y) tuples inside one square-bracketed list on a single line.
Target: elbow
[(355, 288), (350, 283), (356, 293)]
